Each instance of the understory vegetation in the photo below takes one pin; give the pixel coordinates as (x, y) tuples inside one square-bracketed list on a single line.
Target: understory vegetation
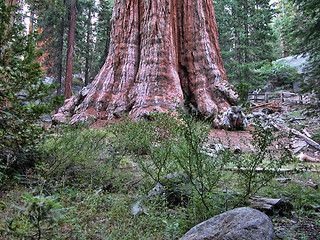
[(153, 179)]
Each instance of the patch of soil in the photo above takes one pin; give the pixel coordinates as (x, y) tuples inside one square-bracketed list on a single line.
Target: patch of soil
[(239, 139)]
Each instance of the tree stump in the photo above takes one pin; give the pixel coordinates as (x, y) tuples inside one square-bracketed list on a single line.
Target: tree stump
[(272, 206)]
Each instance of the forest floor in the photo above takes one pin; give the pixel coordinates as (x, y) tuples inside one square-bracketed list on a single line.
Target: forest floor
[(305, 223), (89, 184), (288, 115)]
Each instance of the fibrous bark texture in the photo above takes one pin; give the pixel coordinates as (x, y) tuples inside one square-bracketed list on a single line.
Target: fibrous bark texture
[(163, 54)]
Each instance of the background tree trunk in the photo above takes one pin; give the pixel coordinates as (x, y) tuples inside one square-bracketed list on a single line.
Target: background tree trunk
[(163, 54), (88, 49), (69, 67), (59, 61)]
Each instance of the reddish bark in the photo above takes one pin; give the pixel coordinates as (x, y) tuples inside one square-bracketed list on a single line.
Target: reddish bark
[(162, 54), (69, 67)]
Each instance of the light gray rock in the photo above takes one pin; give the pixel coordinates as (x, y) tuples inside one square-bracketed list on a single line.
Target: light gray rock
[(155, 192), (234, 118), (175, 188), (238, 224)]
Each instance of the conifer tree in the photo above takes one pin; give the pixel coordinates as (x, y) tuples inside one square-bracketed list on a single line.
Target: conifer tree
[(163, 55), (85, 39), (306, 28), (245, 36), (103, 28), (52, 20), (21, 93)]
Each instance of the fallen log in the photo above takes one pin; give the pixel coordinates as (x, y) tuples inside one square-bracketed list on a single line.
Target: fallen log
[(305, 138), (305, 158), (309, 183), (306, 133), (282, 170), (271, 206), (274, 106), (298, 146), (312, 184), (296, 119)]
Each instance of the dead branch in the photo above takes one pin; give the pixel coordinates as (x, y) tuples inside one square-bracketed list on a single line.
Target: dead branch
[(305, 138)]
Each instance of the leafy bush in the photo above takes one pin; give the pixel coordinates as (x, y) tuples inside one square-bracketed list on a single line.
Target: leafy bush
[(177, 145), (169, 145), (263, 163), (316, 137)]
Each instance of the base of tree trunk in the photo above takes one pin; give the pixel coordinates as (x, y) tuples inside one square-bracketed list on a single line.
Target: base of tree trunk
[(163, 55)]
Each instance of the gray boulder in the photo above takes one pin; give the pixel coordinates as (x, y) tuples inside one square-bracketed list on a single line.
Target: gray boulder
[(238, 224)]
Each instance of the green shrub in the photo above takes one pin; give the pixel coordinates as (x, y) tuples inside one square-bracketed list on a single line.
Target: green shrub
[(316, 137), (78, 155), (37, 217), (177, 144), (264, 161)]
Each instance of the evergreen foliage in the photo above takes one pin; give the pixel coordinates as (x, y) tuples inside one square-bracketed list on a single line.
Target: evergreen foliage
[(309, 33), (245, 37), (103, 28), (91, 39), (85, 37), (21, 93)]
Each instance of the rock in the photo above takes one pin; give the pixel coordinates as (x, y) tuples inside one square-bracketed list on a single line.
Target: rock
[(295, 61), (234, 118), (269, 87), (214, 149), (296, 86), (238, 224), (59, 118), (155, 192), (175, 187), (138, 207)]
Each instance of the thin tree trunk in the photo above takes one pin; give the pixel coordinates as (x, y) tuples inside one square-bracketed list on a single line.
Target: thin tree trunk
[(30, 30), (69, 67), (60, 58), (11, 2), (246, 29), (88, 51)]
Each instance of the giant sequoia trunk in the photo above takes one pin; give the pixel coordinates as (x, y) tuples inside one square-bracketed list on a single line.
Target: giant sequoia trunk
[(163, 54)]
